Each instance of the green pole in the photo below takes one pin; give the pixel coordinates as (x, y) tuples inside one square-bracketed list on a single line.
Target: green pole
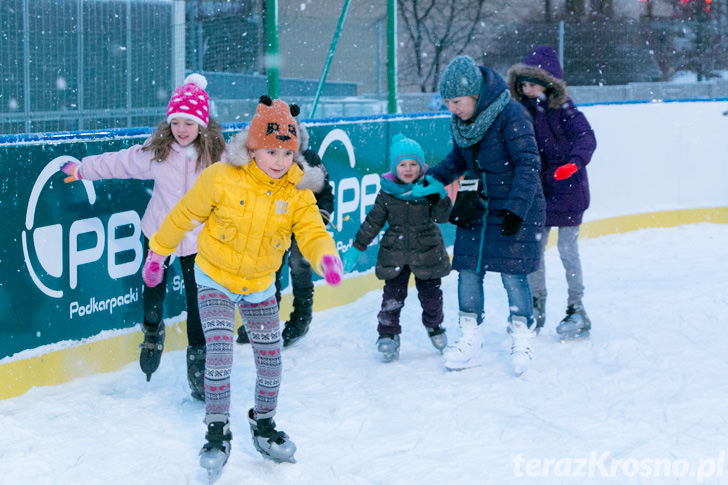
[(392, 56), (272, 57), (325, 72)]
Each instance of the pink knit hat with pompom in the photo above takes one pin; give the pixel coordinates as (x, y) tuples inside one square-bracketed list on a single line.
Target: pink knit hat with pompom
[(190, 101)]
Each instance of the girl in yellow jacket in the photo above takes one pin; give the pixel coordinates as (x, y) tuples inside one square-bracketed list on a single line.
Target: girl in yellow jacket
[(249, 206)]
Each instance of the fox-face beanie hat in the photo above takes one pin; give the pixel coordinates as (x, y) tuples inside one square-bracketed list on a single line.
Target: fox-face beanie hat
[(462, 77), (404, 148), (190, 101), (273, 125)]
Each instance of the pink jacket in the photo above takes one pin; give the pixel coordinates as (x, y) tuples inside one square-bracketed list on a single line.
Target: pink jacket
[(172, 179)]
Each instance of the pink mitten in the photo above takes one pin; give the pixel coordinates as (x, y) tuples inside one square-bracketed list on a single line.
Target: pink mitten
[(73, 170), (153, 269), (332, 269)]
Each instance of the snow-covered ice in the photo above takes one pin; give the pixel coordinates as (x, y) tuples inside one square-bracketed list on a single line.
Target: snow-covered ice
[(643, 401)]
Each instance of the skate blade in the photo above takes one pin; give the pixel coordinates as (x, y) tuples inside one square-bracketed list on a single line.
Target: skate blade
[(292, 343), (277, 458), (455, 366), (213, 461), (520, 370), (573, 336), (213, 475), (521, 364), (387, 358)]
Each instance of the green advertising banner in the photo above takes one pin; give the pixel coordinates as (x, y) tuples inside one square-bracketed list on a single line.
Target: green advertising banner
[(71, 253)]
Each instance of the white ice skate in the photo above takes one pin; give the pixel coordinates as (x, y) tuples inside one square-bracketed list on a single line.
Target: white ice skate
[(521, 337), (468, 350)]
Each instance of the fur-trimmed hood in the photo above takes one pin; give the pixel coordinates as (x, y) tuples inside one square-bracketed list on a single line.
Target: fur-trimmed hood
[(313, 177), (541, 63)]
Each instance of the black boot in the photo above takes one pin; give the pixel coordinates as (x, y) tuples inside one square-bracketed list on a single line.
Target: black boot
[(151, 348), (539, 312), (196, 370), (242, 336), (299, 322), (270, 442), (214, 454)]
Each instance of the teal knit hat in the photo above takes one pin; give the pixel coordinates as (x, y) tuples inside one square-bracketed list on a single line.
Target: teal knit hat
[(404, 148), (462, 77)]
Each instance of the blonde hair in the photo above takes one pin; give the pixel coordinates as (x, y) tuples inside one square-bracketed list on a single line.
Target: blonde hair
[(210, 143)]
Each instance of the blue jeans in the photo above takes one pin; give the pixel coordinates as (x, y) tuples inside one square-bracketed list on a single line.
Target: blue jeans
[(470, 294)]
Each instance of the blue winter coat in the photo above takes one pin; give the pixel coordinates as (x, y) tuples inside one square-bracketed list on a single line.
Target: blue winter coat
[(563, 135), (510, 164)]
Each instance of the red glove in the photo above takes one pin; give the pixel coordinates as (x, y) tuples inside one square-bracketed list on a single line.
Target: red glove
[(73, 170), (153, 269), (565, 171), (332, 269)]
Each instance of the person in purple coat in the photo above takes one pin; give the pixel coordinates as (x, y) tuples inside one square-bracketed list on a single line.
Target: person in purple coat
[(566, 143), (493, 140)]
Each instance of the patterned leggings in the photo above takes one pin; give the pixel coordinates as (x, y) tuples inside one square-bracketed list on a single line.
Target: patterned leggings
[(217, 313)]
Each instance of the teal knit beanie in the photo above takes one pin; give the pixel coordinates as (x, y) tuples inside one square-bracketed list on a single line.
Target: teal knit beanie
[(403, 148), (462, 77)]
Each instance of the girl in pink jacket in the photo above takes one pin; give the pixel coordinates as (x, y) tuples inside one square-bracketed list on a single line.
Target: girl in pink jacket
[(184, 144)]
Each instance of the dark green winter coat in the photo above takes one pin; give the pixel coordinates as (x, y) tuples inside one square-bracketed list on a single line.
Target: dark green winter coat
[(412, 238)]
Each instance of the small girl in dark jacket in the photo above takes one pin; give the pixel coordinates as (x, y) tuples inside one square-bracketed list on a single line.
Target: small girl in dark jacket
[(411, 244), (566, 143)]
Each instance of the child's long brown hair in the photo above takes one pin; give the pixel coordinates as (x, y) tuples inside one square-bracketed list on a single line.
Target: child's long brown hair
[(210, 143)]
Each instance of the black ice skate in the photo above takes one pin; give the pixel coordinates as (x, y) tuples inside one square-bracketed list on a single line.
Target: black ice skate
[(298, 324), (271, 443), (214, 454), (196, 370), (575, 325), (151, 348), (539, 313), (388, 345)]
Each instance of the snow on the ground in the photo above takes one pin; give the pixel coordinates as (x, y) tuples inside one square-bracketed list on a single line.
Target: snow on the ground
[(643, 401)]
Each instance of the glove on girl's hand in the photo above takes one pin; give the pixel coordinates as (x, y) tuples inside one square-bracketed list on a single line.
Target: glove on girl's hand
[(153, 269), (430, 188), (565, 171), (351, 257), (73, 170), (511, 223), (331, 267)]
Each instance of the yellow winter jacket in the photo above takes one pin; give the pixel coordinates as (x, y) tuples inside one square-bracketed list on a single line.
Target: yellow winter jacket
[(249, 218)]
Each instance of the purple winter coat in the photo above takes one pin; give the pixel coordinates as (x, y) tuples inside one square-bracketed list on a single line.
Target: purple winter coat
[(563, 135)]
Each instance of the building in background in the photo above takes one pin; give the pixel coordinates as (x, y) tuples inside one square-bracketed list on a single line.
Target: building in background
[(69, 65)]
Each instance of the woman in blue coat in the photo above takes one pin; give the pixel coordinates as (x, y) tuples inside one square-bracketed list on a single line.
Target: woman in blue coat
[(495, 134), (566, 142)]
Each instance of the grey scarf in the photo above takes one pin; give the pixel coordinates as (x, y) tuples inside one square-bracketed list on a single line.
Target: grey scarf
[(468, 134)]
